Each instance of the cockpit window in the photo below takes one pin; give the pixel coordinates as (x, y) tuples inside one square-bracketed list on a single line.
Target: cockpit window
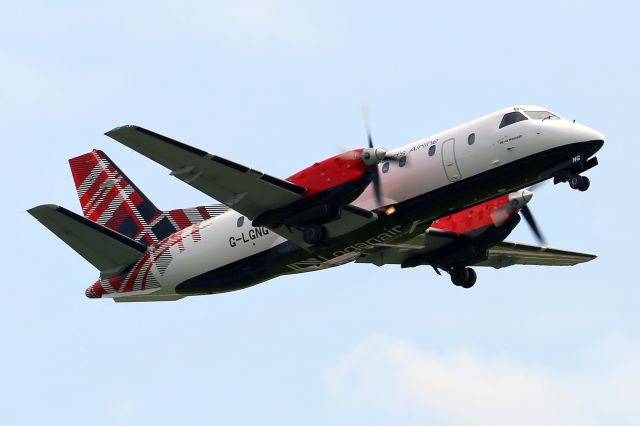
[(512, 117), (542, 115)]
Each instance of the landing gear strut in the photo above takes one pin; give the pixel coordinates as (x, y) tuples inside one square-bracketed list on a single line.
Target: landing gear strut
[(463, 277), (581, 183), (315, 234)]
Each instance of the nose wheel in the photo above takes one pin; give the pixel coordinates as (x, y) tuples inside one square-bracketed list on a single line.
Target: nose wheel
[(463, 277), (581, 183)]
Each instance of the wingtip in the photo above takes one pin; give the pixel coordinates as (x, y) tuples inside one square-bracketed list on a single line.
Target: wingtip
[(119, 129), (35, 211)]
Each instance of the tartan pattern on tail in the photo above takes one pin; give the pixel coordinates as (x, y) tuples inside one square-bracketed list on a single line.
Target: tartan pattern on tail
[(109, 198)]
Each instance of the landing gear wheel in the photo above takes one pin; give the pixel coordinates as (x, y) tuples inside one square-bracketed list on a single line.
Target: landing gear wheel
[(581, 183), (585, 184), (463, 277), (471, 280), (315, 234)]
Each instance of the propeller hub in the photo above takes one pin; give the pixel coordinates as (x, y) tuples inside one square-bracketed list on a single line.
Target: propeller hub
[(520, 198), (371, 156)]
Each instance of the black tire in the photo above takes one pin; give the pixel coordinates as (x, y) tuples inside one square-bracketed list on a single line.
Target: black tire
[(575, 181), (459, 276), (471, 278), (315, 234), (584, 185)]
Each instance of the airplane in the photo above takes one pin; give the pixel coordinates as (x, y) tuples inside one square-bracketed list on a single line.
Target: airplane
[(447, 201)]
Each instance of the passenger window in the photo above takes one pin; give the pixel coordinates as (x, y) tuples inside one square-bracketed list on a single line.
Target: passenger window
[(385, 167), (512, 117), (432, 150), (402, 161), (472, 138), (240, 221)]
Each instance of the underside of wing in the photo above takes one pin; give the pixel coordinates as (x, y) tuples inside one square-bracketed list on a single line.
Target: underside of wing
[(245, 190), (499, 255), (350, 218), (105, 249), (396, 253), (507, 253)]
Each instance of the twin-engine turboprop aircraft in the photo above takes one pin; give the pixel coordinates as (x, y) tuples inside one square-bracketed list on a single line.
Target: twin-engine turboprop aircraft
[(447, 201)]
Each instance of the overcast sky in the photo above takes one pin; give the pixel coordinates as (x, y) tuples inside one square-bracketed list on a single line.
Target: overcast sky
[(278, 85)]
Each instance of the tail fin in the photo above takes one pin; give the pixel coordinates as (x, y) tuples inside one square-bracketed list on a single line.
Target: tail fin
[(110, 199)]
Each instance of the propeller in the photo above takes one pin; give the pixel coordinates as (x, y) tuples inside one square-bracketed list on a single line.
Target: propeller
[(519, 200), (528, 216), (372, 156)]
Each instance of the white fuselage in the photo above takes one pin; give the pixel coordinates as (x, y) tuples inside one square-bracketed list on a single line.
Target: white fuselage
[(431, 164)]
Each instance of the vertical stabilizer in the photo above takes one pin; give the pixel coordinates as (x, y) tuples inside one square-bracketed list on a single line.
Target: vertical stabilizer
[(110, 199)]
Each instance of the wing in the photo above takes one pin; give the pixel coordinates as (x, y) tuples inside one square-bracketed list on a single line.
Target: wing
[(105, 249), (507, 253), (499, 256), (245, 190), (396, 253)]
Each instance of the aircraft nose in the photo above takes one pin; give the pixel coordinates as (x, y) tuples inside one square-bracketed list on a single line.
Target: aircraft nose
[(583, 133)]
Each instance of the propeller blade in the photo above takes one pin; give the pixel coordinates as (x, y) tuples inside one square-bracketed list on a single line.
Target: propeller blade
[(367, 124), (375, 180), (528, 216)]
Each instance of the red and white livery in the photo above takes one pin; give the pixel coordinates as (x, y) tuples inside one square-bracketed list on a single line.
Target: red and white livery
[(447, 201)]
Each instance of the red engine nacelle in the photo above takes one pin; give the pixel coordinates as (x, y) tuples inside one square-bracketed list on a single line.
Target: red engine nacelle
[(484, 214), (329, 173)]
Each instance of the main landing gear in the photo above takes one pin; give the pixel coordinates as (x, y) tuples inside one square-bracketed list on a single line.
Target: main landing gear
[(581, 183), (315, 234), (463, 277)]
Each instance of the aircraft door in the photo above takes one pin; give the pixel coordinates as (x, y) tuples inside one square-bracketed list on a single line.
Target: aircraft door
[(449, 160)]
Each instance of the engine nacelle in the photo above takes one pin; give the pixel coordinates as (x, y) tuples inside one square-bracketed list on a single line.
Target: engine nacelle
[(331, 184), (337, 170), (475, 229)]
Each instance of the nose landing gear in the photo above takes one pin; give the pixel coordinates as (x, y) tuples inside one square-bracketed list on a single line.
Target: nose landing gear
[(463, 277), (581, 183), (573, 173)]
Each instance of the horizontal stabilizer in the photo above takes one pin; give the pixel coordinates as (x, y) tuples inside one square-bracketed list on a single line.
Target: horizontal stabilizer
[(105, 249), (149, 298)]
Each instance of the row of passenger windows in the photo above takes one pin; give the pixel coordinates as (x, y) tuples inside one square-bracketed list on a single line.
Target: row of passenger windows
[(402, 161), (431, 152)]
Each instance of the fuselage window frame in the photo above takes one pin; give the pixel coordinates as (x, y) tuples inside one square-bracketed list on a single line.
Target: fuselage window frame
[(402, 161), (512, 118), (432, 150), (471, 139), (240, 222), (385, 167)]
